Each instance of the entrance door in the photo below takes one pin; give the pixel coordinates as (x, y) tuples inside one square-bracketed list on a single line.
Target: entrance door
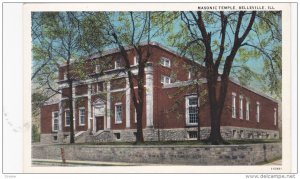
[(99, 123)]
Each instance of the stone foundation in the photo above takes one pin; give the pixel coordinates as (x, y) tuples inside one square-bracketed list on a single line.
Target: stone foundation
[(179, 134)]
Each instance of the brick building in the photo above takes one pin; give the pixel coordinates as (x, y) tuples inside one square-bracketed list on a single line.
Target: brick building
[(104, 110)]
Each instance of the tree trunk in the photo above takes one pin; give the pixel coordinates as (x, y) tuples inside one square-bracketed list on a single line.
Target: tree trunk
[(215, 137), (72, 140), (139, 132), (70, 98)]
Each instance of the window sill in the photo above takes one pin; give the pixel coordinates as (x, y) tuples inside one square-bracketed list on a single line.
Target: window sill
[(118, 122), (191, 124)]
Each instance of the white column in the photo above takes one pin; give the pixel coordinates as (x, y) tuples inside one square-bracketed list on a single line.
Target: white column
[(60, 108), (149, 94), (127, 104), (108, 105), (94, 120), (74, 108), (89, 107)]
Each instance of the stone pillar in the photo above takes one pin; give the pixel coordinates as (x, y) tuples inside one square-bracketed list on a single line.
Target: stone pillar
[(108, 105), (94, 120), (89, 107), (74, 108), (149, 94), (127, 104)]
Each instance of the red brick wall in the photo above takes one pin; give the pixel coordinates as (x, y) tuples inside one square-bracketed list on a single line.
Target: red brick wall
[(46, 117), (118, 83), (170, 108), (169, 111), (81, 89), (266, 109)]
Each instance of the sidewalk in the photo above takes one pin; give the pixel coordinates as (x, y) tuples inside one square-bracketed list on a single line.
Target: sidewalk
[(276, 162), (51, 162)]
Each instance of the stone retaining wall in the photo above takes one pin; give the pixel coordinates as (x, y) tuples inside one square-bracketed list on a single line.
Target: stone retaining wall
[(248, 154)]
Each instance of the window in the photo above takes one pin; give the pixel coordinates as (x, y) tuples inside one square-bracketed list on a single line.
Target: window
[(118, 64), (193, 134), (118, 112), (257, 111), (97, 70), (275, 116), (165, 79), (241, 107), (165, 62), (233, 110), (82, 116), (65, 76), (189, 75), (67, 117), (55, 138), (135, 60), (234, 134), (55, 121), (191, 110), (117, 135), (99, 87), (242, 134), (135, 116), (247, 110)]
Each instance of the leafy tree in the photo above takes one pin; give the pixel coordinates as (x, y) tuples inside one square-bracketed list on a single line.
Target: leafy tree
[(35, 135), (230, 40)]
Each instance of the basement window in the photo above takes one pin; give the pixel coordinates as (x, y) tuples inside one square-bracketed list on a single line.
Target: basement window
[(117, 135), (192, 134), (234, 134), (242, 134), (55, 138)]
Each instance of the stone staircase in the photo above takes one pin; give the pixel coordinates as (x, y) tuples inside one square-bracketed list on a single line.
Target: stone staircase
[(103, 136), (80, 137)]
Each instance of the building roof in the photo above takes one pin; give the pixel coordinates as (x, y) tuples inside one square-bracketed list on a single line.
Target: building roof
[(116, 50)]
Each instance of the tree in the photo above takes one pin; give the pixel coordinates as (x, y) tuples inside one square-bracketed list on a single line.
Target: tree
[(61, 38), (133, 37), (136, 29), (224, 37)]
